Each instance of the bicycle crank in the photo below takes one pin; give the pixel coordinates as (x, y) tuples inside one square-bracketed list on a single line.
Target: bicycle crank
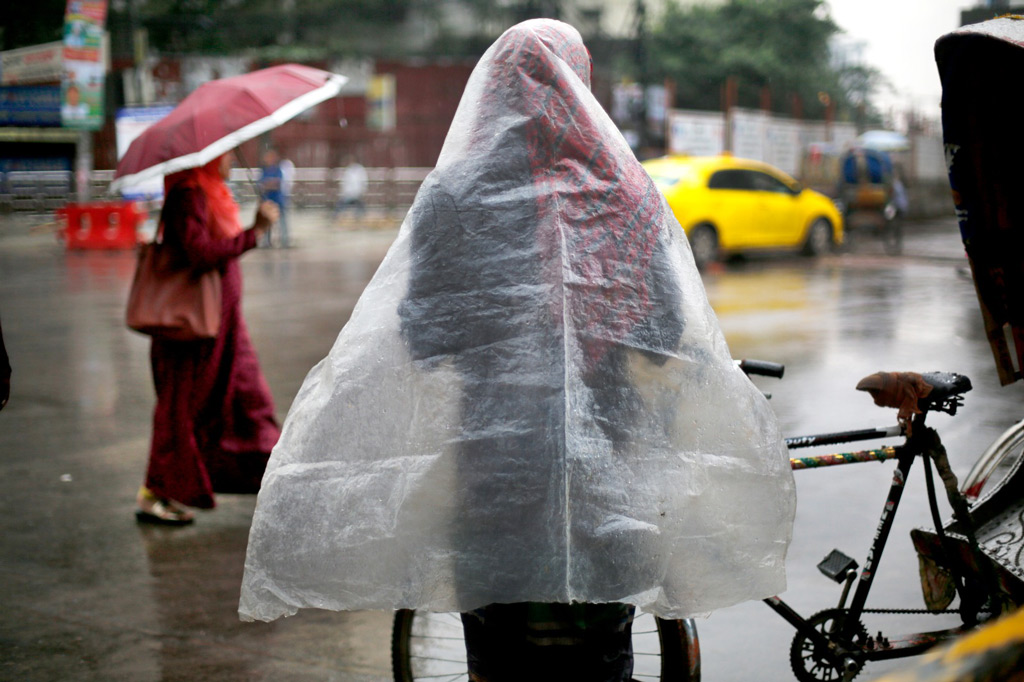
[(813, 663)]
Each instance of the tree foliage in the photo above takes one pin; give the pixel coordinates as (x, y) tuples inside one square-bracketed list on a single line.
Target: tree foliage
[(333, 27), (211, 26), (778, 48), (31, 23)]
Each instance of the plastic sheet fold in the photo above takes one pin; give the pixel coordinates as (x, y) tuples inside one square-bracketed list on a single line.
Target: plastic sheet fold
[(532, 400)]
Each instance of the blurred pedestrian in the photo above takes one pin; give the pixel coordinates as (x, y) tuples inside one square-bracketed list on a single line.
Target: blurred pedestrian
[(543, 429), (899, 194), (274, 186), (5, 372), (354, 182), (214, 423), (287, 186)]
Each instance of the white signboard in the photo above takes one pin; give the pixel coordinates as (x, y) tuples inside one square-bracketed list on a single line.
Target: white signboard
[(756, 135), (698, 133), (128, 125), (844, 134), (749, 134), (929, 157), (34, 64), (782, 144)]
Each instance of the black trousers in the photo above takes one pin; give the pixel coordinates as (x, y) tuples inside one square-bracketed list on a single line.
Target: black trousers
[(528, 642)]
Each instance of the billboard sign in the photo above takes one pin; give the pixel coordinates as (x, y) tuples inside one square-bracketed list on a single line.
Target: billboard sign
[(380, 98), (30, 105), (129, 124), (84, 64), (34, 64)]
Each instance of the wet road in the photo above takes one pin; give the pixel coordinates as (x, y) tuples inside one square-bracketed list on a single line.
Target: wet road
[(88, 595)]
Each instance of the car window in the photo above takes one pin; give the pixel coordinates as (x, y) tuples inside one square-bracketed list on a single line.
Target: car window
[(731, 178), (767, 183), (663, 179), (668, 175)]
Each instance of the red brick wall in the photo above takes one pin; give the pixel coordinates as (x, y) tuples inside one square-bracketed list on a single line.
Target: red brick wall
[(426, 97)]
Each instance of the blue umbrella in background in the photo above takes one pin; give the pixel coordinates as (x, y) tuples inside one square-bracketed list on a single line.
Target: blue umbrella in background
[(884, 141)]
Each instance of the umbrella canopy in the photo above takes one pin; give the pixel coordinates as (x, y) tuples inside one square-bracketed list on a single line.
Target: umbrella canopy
[(220, 115), (884, 141)]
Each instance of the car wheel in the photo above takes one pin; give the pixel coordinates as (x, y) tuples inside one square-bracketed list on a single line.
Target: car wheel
[(819, 238), (704, 245)]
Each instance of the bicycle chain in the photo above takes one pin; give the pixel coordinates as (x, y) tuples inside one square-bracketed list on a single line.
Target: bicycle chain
[(917, 611)]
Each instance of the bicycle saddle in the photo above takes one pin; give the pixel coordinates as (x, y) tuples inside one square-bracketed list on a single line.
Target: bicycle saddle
[(915, 393), (946, 386)]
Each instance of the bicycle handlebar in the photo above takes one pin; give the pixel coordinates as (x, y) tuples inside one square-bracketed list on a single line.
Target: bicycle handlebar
[(762, 367)]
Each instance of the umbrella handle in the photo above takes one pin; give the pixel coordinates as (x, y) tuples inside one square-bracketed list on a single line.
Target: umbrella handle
[(248, 173)]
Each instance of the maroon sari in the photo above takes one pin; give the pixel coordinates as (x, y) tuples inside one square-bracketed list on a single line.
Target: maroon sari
[(214, 425)]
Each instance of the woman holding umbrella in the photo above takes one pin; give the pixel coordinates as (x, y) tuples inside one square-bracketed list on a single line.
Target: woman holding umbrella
[(214, 424)]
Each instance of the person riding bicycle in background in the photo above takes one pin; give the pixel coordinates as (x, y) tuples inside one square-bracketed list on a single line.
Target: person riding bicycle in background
[(532, 417)]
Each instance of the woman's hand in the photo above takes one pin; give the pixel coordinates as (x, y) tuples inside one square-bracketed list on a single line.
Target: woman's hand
[(267, 214)]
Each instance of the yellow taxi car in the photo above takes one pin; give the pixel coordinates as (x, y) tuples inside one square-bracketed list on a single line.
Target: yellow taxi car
[(729, 205)]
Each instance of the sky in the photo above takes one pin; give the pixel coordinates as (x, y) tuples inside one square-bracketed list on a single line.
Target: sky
[(899, 37)]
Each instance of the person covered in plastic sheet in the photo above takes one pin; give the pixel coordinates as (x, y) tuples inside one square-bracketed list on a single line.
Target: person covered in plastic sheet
[(531, 417)]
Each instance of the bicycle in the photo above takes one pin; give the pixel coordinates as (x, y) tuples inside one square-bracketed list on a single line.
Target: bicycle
[(833, 644)]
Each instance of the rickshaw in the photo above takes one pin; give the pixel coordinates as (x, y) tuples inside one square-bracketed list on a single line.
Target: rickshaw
[(981, 113), (865, 196)]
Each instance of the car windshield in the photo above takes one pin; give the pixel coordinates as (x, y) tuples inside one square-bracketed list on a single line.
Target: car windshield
[(665, 175)]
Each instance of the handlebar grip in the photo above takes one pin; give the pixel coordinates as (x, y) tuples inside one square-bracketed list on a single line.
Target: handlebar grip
[(763, 368)]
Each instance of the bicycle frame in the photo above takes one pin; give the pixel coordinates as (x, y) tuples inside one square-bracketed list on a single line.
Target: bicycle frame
[(853, 657)]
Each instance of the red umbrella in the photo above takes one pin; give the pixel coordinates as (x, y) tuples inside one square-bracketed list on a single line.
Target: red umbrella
[(220, 115)]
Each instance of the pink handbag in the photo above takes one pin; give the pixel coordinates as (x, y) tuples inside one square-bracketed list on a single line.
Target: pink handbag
[(168, 302)]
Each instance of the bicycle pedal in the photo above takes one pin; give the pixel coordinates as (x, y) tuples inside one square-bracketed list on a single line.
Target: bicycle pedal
[(836, 566)]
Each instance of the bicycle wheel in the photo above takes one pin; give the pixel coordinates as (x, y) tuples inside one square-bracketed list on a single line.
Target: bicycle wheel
[(996, 465), (430, 646)]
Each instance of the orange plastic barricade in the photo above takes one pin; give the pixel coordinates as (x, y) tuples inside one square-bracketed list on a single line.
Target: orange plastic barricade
[(101, 225)]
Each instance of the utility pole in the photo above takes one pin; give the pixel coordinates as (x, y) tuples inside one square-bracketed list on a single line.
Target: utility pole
[(642, 69)]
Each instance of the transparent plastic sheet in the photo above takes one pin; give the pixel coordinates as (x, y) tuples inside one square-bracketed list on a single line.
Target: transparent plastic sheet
[(532, 400)]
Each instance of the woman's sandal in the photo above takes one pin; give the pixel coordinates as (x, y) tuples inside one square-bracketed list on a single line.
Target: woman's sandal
[(155, 510)]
